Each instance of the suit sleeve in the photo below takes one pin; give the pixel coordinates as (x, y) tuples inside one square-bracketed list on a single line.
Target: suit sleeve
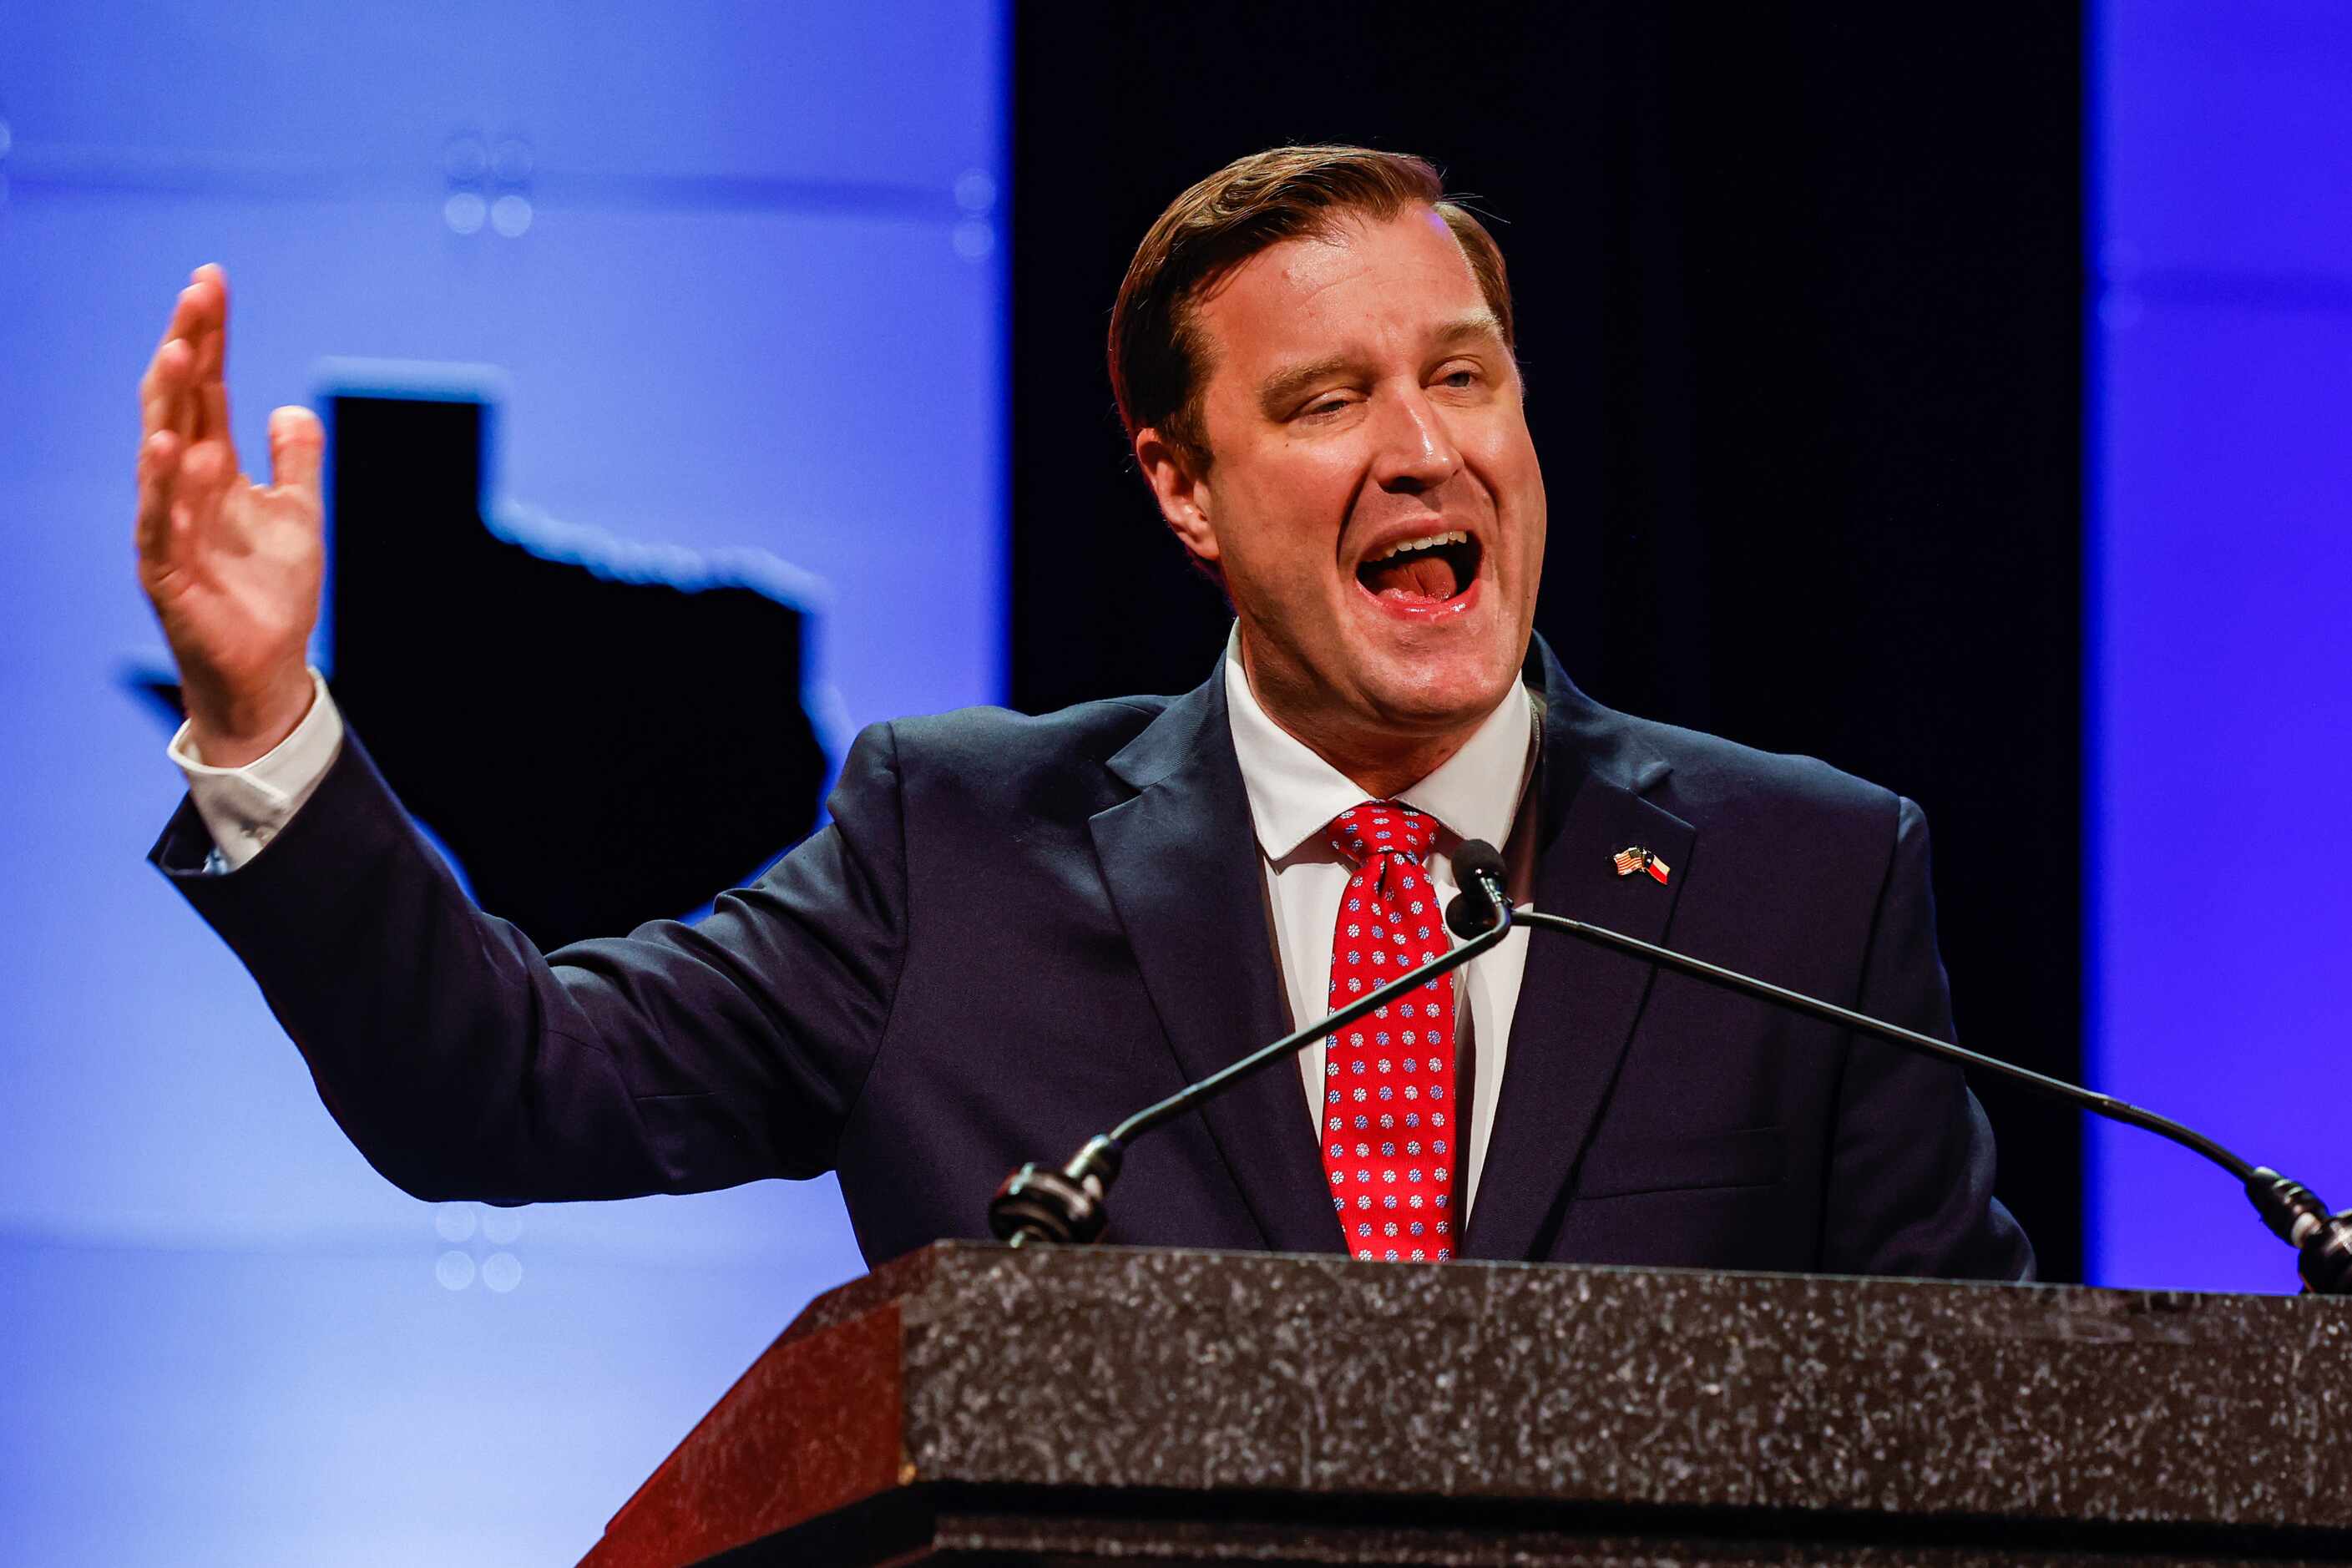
[(1911, 1162), (464, 1063)]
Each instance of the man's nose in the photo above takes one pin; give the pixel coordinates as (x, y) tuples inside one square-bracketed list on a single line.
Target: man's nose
[(1414, 451)]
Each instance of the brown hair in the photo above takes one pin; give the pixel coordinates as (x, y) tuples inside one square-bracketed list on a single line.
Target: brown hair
[(1158, 361)]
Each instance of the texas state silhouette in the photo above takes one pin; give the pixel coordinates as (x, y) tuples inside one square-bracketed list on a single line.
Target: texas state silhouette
[(599, 736), (595, 749)]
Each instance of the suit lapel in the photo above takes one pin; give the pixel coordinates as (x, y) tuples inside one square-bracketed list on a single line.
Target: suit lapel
[(1182, 864), (1577, 1003)]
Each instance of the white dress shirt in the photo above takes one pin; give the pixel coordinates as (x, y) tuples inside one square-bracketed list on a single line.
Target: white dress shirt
[(244, 808), (1293, 797)]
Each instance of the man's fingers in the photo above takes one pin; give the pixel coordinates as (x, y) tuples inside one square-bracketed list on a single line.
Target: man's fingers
[(212, 409), (206, 300), (298, 448), (171, 393), (182, 411), (189, 310), (205, 469), (162, 387), (159, 465), (208, 381), (175, 385)]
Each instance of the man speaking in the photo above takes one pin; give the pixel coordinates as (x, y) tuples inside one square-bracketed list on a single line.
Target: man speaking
[(1015, 930)]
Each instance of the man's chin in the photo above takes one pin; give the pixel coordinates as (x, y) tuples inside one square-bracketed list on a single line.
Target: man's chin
[(1458, 694), (1407, 678)]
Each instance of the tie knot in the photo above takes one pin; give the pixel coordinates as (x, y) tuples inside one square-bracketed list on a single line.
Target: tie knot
[(1380, 828)]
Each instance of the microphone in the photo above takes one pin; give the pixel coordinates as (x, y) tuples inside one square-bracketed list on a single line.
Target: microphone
[(2292, 1212), (1065, 1203), (1478, 871)]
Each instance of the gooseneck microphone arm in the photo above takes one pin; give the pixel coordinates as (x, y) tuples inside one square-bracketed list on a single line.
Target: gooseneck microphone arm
[(1065, 1203), (2291, 1211), (2090, 1100), (1290, 1044)]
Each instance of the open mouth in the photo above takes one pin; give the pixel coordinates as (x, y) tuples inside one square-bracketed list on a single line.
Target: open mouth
[(1428, 569)]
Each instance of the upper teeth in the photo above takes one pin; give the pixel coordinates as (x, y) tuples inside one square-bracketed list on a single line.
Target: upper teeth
[(1431, 541)]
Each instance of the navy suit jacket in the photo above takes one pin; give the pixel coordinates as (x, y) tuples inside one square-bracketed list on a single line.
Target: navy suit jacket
[(1015, 931)]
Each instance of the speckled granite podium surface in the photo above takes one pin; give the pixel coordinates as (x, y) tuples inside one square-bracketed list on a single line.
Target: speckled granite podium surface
[(981, 1405)]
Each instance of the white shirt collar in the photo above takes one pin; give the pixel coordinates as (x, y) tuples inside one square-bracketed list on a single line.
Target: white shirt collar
[(1294, 794)]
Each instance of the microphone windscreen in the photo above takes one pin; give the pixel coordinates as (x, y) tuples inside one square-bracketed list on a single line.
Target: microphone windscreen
[(1473, 909), (1476, 858)]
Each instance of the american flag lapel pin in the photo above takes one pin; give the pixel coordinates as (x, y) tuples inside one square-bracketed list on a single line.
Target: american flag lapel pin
[(1635, 857)]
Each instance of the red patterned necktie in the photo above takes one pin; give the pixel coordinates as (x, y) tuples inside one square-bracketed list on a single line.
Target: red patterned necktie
[(1388, 1078)]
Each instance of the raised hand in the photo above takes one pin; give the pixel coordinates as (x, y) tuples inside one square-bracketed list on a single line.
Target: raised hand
[(232, 567)]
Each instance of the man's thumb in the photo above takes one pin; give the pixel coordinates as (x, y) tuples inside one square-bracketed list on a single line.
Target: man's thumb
[(298, 448)]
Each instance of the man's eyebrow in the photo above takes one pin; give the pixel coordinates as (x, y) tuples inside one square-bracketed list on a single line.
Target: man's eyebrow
[(1476, 324), (1277, 391), (1280, 390)]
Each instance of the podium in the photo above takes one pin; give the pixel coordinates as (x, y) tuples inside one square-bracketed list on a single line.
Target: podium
[(976, 1403)]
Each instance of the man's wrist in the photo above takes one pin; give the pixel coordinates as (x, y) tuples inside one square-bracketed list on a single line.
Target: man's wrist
[(244, 806), (245, 735)]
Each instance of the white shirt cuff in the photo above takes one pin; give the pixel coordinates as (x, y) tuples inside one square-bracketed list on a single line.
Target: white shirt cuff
[(245, 808)]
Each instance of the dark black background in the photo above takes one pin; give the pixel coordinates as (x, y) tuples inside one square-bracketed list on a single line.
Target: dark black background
[(1799, 300)]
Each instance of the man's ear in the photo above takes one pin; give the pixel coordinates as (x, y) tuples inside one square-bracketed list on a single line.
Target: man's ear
[(1185, 500)]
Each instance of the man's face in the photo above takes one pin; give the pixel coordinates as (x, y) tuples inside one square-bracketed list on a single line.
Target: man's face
[(1372, 497)]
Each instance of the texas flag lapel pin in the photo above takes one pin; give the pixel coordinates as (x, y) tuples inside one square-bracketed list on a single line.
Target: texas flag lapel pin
[(1634, 857)]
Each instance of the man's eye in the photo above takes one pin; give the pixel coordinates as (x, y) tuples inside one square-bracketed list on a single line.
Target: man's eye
[(1323, 405), (1462, 375)]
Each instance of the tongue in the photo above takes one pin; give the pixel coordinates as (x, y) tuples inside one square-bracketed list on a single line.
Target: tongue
[(1415, 574)]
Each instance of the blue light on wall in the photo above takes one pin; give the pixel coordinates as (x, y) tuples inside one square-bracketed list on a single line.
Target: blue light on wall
[(742, 267), (2220, 816)]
